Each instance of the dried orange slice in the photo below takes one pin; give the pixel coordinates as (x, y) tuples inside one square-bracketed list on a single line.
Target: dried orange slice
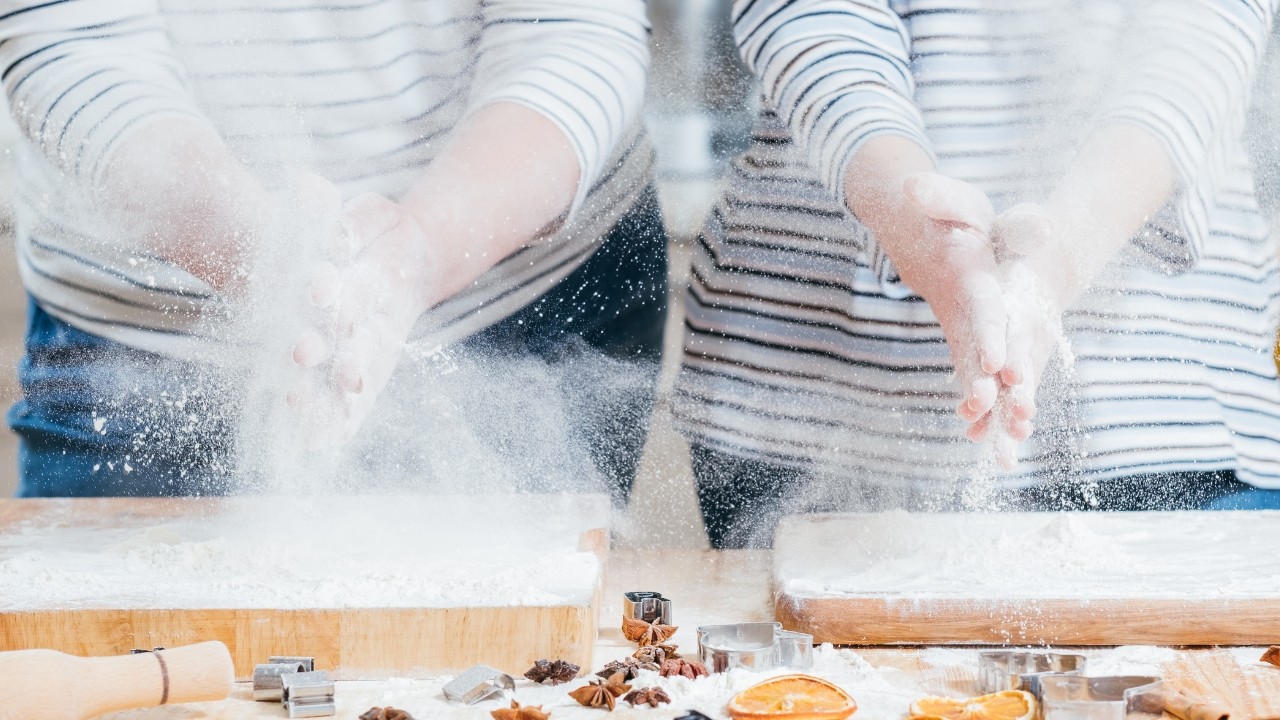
[(1003, 705), (794, 697)]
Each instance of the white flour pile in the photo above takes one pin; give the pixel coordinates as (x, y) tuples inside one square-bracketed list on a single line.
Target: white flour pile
[(1030, 556), (393, 551)]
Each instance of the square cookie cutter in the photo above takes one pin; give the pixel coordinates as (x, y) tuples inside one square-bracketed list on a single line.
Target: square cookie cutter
[(1126, 697), (754, 646), (1015, 670), (308, 694)]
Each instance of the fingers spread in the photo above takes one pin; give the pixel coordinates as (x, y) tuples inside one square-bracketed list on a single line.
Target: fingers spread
[(978, 430), (949, 200)]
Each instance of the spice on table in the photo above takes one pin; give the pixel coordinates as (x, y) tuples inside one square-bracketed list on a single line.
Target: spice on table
[(646, 633), (1272, 655), (557, 671), (656, 654), (792, 696), (694, 715), (520, 712), (385, 713), (651, 696), (691, 669), (601, 693), (628, 667), (1003, 705)]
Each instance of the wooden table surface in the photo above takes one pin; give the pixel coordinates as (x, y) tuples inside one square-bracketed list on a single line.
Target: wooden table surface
[(711, 587)]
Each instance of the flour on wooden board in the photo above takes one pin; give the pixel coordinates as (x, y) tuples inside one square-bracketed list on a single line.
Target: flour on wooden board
[(397, 551), (1029, 555)]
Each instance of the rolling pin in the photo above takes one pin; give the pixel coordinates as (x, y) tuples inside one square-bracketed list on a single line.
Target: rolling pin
[(49, 685)]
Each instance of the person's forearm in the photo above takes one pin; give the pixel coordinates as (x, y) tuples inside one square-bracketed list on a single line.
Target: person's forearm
[(175, 185), (1119, 179), (507, 175), (874, 184)]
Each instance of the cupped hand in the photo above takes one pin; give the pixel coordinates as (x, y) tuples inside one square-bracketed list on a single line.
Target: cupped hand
[(950, 262), (1035, 298), (367, 300)]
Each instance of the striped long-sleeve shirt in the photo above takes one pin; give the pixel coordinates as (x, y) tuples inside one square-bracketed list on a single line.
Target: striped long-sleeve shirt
[(803, 347), (361, 92)]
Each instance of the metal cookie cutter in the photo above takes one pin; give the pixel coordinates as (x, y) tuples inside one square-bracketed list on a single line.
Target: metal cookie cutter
[(648, 606), (308, 694), (1023, 670), (267, 686), (478, 683), (308, 663), (1068, 697), (755, 646)]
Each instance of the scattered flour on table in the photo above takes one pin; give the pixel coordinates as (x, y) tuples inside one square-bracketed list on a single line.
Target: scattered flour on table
[(347, 553), (881, 693), (1250, 658), (1129, 660), (996, 556)]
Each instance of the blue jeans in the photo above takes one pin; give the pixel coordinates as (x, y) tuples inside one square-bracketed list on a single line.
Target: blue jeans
[(98, 418)]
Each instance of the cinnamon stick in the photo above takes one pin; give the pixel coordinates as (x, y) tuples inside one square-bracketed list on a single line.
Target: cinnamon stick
[(1192, 707)]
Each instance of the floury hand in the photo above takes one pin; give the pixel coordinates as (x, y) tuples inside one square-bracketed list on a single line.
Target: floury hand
[(367, 303)]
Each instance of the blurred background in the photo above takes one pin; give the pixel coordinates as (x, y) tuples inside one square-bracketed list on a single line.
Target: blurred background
[(701, 101)]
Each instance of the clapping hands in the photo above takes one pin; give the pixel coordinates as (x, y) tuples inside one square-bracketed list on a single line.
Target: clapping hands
[(985, 279)]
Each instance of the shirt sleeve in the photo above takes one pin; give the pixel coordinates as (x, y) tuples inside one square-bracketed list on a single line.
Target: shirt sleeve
[(837, 72), (1186, 78), (82, 75), (581, 63)]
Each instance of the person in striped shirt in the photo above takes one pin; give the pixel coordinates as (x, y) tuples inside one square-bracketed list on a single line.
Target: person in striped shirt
[(467, 174), (1031, 224)]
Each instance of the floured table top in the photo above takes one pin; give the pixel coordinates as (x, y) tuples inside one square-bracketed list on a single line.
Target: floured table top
[(268, 552), (1031, 555), (1086, 578)]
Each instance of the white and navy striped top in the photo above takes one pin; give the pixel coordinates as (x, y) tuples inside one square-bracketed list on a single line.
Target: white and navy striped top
[(361, 92), (802, 346)]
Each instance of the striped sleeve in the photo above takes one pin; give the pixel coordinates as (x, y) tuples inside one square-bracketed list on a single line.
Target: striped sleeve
[(81, 76), (836, 71), (1186, 78), (581, 63)]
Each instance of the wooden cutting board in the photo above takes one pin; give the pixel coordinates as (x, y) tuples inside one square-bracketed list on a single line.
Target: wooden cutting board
[(1195, 578), (369, 586)]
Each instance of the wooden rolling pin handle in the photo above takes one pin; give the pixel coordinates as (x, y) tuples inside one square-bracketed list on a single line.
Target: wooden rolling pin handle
[(1189, 707), (49, 685)]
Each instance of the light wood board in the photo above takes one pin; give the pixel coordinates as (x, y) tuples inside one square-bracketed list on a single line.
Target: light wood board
[(734, 585), (356, 642), (1031, 578)]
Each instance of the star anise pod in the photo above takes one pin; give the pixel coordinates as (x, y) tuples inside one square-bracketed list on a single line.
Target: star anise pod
[(1272, 655), (651, 696), (628, 667), (557, 671), (601, 693), (656, 654), (646, 633), (691, 669), (520, 712), (385, 713)]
